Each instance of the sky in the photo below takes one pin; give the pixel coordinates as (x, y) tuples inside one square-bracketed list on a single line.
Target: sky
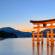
[(18, 13)]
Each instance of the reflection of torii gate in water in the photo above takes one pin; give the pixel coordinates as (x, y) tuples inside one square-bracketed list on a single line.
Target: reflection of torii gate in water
[(40, 25)]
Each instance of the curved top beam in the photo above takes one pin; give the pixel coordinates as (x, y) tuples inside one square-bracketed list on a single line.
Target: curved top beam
[(43, 21)]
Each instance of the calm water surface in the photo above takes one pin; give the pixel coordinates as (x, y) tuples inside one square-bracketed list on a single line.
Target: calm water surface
[(23, 46)]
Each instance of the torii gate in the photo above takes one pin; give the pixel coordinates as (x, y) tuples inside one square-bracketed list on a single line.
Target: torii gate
[(40, 25)]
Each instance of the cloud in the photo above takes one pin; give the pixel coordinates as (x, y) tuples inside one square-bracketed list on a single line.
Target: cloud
[(23, 27)]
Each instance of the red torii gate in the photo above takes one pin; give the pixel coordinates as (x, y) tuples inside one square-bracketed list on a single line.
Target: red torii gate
[(43, 24)]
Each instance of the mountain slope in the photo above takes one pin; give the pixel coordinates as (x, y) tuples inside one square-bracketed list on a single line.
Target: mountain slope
[(16, 32), (47, 30)]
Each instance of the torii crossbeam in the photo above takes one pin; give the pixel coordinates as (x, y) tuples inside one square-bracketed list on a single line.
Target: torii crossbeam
[(40, 25)]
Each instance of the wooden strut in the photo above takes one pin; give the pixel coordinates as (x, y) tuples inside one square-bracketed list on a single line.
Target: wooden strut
[(48, 38), (38, 27), (38, 39), (38, 34), (33, 39), (50, 34)]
